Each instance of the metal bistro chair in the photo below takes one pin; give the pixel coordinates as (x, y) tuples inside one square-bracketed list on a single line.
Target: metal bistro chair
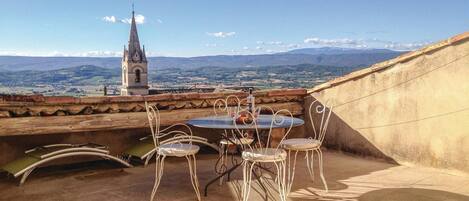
[(172, 143), (230, 137), (261, 152), (309, 145)]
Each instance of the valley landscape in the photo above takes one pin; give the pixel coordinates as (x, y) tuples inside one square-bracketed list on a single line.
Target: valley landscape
[(79, 76)]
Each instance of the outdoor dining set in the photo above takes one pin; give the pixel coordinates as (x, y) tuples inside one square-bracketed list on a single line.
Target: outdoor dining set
[(246, 141)]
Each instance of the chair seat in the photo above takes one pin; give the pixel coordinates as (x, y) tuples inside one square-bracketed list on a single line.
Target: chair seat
[(265, 155), (301, 144), (178, 149), (239, 141)]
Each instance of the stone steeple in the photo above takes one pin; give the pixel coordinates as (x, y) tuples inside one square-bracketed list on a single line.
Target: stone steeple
[(134, 52), (134, 65)]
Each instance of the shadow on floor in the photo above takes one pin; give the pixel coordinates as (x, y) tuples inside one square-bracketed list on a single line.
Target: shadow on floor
[(393, 194), (411, 194)]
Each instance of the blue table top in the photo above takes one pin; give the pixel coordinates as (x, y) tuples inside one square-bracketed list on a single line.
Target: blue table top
[(226, 122)]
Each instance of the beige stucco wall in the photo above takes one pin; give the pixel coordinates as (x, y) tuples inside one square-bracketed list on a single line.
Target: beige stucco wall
[(414, 112)]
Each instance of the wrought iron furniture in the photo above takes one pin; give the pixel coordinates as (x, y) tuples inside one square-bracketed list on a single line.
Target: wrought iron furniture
[(229, 107), (145, 149), (35, 157), (264, 122), (175, 143), (262, 152), (309, 145)]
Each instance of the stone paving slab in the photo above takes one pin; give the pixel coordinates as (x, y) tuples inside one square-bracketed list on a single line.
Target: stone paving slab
[(350, 178)]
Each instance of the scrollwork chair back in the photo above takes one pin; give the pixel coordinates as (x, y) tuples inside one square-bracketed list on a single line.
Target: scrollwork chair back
[(280, 119), (323, 111)]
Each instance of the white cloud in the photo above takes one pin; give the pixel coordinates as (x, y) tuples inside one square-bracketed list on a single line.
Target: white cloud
[(159, 21), (291, 46), (259, 48), (245, 48), (221, 34), (361, 46), (365, 43), (275, 43), (269, 43), (100, 54), (111, 19), (405, 46), (211, 45), (333, 42), (56, 53), (139, 19)]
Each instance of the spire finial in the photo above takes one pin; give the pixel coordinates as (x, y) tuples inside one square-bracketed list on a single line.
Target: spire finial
[(133, 10)]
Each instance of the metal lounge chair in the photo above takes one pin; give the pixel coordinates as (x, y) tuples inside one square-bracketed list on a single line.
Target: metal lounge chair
[(33, 158)]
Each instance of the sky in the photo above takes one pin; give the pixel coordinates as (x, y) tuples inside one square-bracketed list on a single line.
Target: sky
[(213, 27)]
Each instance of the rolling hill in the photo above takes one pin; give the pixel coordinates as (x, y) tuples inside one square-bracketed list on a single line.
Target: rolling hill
[(317, 56)]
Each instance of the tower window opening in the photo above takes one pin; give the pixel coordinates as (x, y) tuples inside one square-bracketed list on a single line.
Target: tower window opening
[(137, 76)]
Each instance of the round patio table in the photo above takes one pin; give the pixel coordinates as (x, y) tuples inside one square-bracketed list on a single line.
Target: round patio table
[(264, 122)]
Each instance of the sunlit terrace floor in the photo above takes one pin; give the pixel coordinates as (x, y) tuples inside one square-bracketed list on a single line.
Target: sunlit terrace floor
[(349, 177)]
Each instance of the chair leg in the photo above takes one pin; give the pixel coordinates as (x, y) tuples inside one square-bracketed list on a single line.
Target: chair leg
[(147, 160), (321, 169), (310, 164), (191, 160), (281, 180), (247, 175), (159, 166), (25, 176), (290, 171), (223, 159)]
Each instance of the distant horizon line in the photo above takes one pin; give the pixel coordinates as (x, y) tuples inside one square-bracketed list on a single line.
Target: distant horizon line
[(273, 53)]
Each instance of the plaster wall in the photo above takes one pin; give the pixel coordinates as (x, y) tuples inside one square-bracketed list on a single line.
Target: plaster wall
[(412, 112)]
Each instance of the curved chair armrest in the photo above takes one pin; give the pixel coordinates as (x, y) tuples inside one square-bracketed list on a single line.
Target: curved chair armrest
[(176, 133), (184, 138), (196, 141), (178, 124)]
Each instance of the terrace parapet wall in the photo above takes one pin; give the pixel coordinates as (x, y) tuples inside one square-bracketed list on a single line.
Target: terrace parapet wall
[(413, 109), (37, 114)]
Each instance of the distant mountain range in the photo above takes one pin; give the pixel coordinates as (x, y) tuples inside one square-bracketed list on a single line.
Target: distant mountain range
[(326, 56)]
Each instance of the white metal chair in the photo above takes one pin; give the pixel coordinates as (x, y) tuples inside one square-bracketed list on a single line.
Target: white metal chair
[(229, 106), (174, 143), (309, 145), (261, 152)]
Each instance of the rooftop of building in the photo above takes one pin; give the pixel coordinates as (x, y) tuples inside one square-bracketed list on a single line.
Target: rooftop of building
[(26, 120), (349, 177)]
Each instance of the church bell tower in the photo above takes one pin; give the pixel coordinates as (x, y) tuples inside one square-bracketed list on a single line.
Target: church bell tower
[(134, 65)]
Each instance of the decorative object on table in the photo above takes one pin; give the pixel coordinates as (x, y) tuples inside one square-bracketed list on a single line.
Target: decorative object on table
[(262, 153), (174, 143), (244, 118), (309, 145)]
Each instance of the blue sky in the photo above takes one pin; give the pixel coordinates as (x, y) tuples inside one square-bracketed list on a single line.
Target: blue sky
[(211, 27)]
